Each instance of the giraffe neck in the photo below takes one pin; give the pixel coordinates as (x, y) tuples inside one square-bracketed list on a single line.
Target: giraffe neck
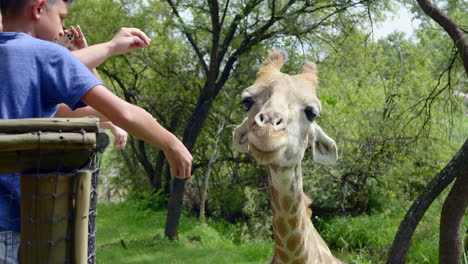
[(296, 240)]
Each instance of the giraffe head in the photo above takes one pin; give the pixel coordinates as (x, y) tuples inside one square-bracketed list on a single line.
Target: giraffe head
[(281, 112)]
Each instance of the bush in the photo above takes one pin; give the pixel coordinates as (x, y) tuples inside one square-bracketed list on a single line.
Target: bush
[(155, 200)]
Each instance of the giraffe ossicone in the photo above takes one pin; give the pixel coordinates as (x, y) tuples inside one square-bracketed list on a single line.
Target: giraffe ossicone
[(281, 111)]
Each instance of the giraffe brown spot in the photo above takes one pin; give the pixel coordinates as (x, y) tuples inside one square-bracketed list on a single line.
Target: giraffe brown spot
[(297, 261), (309, 212), (293, 241), (294, 208), (282, 255), (286, 202), (295, 221), (278, 241), (281, 226), (301, 249)]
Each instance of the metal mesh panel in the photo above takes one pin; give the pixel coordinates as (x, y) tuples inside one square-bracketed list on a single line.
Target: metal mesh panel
[(93, 213)]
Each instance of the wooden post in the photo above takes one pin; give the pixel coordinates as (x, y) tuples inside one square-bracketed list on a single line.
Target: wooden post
[(82, 198), (54, 206)]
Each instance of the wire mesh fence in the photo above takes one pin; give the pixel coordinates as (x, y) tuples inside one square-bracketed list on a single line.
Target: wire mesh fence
[(48, 190)]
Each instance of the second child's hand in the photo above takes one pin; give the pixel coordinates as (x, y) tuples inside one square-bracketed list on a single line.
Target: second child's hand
[(79, 39)]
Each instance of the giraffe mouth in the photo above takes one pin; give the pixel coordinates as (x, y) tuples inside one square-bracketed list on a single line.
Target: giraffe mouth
[(267, 144), (264, 156)]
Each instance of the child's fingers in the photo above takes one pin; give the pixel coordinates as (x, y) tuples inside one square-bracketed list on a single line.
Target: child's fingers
[(122, 142), (75, 33), (80, 32), (140, 34), (137, 42)]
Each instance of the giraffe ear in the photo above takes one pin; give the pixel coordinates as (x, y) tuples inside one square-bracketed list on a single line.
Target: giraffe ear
[(308, 67), (273, 62), (240, 137), (324, 148), (310, 73)]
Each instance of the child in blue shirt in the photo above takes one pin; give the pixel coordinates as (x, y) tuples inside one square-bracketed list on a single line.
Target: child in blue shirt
[(37, 75)]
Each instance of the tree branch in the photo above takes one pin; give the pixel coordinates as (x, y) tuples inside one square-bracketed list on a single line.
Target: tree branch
[(450, 27), (216, 32), (224, 13), (189, 37), (233, 27), (419, 207)]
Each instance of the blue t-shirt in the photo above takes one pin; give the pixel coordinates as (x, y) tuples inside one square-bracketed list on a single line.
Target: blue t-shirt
[(35, 76)]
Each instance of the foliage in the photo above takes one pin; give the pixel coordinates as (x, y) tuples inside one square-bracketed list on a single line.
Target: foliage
[(356, 240), (388, 103), (154, 200), (389, 134), (369, 237)]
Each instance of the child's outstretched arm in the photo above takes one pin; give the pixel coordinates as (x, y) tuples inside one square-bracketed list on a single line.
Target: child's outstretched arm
[(120, 135), (127, 39), (141, 124)]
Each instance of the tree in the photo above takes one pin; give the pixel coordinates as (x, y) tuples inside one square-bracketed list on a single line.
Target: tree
[(235, 27), (456, 203), (450, 241)]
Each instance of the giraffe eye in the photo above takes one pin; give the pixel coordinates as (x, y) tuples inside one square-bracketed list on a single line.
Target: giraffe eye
[(247, 102), (311, 113)]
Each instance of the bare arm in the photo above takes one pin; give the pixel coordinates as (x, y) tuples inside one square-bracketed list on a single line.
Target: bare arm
[(65, 111), (141, 124), (127, 39)]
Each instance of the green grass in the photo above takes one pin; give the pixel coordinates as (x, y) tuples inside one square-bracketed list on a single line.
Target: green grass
[(365, 239), (368, 238), (142, 232)]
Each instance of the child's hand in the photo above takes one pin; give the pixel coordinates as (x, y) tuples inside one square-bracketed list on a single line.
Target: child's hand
[(180, 159), (120, 137), (128, 39), (79, 39)]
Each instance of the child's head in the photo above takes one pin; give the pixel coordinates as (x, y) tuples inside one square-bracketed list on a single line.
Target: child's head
[(45, 17)]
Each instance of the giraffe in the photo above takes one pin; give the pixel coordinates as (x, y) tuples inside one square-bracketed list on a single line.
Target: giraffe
[(281, 111)]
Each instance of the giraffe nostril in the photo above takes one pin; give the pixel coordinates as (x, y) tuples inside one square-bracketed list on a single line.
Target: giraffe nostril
[(261, 117), (279, 122)]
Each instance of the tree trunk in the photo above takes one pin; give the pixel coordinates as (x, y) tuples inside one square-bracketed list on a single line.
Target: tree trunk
[(417, 210), (191, 133), (174, 208), (450, 247), (143, 158), (161, 163), (206, 181)]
